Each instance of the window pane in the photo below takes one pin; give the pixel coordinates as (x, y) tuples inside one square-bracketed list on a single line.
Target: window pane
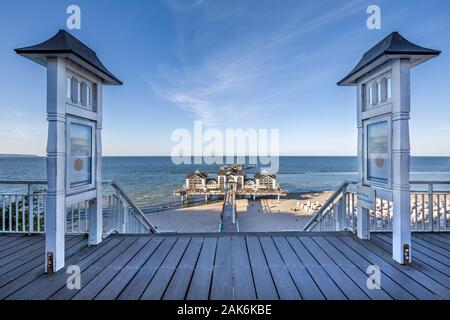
[(78, 92), (379, 92), (363, 96), (80, 157), (383, 91), (68, 88), (389, 88), (89, 96), (83, 99), (377, 151), (374, 94)]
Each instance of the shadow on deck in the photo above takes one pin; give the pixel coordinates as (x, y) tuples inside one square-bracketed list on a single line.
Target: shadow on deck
[(228, 266)]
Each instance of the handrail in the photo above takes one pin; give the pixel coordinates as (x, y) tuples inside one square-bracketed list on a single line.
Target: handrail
[(131, 204), (317, 216), (28, 182), (435, 213)]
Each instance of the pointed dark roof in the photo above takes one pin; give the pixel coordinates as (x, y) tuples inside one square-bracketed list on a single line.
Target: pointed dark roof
[(197, 173), (63, 43), (393, 44), (260, 175)]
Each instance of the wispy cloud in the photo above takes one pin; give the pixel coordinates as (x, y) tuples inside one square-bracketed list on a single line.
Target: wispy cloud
[(243, 74)]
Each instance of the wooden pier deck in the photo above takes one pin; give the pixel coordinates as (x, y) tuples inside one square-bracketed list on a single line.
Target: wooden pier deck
[(227, 219), (228, 266)]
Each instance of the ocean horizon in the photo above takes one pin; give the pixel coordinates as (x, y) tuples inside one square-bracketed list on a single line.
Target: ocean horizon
[(150, 180)]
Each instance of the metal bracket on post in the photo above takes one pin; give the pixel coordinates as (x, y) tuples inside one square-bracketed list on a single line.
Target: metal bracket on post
[(50, 268), (406, 254)]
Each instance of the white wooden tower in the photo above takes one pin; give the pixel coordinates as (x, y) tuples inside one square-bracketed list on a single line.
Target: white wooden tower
[(75, 79), (382, 78)]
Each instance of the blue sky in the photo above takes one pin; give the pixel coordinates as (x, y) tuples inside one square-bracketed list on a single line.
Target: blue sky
[(234, 64)]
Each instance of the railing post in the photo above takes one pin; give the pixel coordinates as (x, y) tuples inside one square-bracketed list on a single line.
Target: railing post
[(124, 219), (363, 223), (31, 208), (342, 205), (430, 206)]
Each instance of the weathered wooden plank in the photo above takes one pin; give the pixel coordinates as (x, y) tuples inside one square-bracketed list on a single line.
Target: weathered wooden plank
[(264, 285), (386, 244), (350, 289), (21, 266), (202, 277), (283, 282), (90, 290), (222, 281), (157, 286), (432, 239), (250, 268), (439, 237), (431, 246), (323, 280), (445, 235), (13, 240), (16, 249), (389, 285), (28, 254), (23, 252), (9, 290), (179, 284), (9, 237), (381, 258), (306, 286), (115, 287), (419, 263), (352, 271), (418, 247), (93, 270), (244, 288), (48, 285), (139, 283)]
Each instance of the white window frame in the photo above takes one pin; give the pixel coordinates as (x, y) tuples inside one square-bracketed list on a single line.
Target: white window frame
[(367, 181), (71, 190), (90, 104), (373, 87)]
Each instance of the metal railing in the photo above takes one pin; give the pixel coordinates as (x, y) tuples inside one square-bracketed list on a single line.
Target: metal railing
[(24, 211), (339, 213)]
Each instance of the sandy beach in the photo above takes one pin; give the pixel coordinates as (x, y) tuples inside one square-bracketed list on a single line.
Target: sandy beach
[(201, 218), (288, 214)]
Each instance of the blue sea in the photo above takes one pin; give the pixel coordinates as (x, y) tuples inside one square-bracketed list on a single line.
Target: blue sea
[(150, 180)]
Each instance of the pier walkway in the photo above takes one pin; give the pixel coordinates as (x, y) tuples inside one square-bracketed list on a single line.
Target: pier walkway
[(228, 266), (227, 223)]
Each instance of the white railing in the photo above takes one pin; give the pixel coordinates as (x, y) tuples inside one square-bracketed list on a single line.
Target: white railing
[(123, 216), (24, 211), (339, 213)]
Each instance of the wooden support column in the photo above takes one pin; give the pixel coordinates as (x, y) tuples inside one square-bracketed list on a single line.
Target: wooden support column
[(401, 228), (95, 205), (56, 166), (363, 217)]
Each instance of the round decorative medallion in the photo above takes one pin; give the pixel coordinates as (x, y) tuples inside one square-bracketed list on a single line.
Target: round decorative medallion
[(379, 161), (78, 165)]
